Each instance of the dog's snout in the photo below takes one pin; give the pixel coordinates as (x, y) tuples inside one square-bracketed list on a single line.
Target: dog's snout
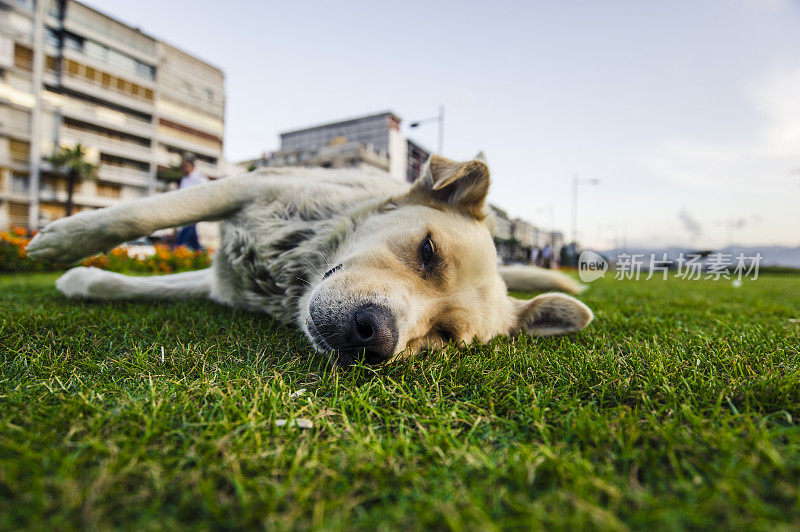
[(373, 329)]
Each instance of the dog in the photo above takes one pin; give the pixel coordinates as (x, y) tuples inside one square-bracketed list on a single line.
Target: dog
[(368, 267)]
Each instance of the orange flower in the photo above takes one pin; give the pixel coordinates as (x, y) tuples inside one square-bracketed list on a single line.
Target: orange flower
[(182, 252), (19, 231), (162, 251), (121, 253)]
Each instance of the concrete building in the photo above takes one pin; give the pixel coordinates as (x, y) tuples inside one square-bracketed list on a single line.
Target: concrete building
[(372, 140), (69, 74), (516, 238)]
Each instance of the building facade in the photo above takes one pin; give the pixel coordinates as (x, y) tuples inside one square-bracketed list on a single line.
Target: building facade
[(70, 74), (366, 141)]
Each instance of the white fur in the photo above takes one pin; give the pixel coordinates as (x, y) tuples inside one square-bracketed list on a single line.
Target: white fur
[(284, 228)]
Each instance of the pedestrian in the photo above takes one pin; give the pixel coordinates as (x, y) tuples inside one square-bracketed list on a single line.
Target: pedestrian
[(187, 236), (547, 256), (535, 254)]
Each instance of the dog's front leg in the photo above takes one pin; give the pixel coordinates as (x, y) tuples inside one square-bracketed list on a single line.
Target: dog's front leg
[(85, 233)]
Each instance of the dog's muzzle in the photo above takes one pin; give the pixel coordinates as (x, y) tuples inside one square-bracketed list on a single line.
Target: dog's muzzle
[(369, 330)]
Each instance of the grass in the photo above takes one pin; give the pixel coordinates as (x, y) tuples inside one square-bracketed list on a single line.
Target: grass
[(677, 408)]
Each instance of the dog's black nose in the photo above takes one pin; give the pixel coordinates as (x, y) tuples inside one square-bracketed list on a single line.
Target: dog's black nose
[(372, 328)]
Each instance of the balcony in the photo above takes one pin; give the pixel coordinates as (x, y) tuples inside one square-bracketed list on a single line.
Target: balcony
[(15, 161), (122, 175), (81, 57), (97, 90), (15, 123), (176, 140), (96, 114), (111, 146), (79, 198)]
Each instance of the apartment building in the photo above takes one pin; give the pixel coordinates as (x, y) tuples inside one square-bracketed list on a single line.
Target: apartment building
[(69, 74), (516, 238), (373, 140)]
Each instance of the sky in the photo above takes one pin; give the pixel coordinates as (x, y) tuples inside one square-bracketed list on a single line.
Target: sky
[(686, 112)]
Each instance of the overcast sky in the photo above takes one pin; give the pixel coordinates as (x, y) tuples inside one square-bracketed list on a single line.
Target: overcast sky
[(687, 112)]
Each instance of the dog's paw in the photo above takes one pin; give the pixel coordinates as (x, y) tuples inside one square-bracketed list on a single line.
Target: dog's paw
[(68, 239), (81, 282)]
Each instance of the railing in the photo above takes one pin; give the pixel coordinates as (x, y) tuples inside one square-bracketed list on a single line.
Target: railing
[(19, 189), (19, 159), (100, 141), (23, 64), (16, 125), (97, 112), (101, 89), (120, 173)]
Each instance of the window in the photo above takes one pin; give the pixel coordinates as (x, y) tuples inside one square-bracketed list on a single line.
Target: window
[(98, 51), (51, 64), (52, 38), (20, 184), (209, 95), (108, 190), (23, 57), (73, 43), (18, 210), (54, 9), (146, 71)]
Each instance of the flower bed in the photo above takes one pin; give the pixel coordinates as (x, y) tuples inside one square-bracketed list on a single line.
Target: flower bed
[(14, 258)]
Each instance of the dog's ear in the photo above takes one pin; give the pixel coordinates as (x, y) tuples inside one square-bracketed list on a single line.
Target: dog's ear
[(461, 185), (550, 315)]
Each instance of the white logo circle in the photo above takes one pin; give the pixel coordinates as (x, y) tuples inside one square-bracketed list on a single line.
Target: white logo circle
[(591, 266)]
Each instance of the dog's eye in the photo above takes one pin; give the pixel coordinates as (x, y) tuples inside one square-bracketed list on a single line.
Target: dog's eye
[(427, 252)]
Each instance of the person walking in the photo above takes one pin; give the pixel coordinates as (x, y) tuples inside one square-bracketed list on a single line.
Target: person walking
[(187, 236), (547, 256)]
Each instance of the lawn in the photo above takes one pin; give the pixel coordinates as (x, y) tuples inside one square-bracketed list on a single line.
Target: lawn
[(678, 407)]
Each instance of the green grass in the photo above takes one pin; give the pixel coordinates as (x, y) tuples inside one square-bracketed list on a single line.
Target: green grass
[(678, 407)]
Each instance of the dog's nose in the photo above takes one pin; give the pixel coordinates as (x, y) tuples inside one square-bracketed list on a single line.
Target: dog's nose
[(373, 329)]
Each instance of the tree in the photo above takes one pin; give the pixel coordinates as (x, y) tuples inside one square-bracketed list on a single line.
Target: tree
[(71, 160)]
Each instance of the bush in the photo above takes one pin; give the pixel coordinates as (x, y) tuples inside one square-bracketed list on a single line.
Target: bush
[(14, 258), (164, 260)]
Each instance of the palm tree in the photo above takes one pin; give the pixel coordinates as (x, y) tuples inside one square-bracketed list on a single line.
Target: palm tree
[(71, 160)]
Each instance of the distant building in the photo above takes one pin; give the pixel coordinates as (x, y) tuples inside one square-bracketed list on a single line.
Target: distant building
[(373, 140), (516, 238), (69, 74)]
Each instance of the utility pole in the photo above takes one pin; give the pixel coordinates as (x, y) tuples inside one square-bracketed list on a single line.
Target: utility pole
[(441, 129), (36, 114), (438, 118)]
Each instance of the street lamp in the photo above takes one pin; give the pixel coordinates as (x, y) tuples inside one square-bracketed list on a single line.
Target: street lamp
[(575, 182), (438, 118)]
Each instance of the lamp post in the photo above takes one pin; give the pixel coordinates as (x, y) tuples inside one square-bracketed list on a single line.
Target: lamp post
[(575, 182), (438, 118)]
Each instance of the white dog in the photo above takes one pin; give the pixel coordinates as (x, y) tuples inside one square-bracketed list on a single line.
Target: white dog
[(365, 265)]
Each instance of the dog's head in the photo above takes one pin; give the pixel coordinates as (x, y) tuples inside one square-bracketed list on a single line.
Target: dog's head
[(423, 272)]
